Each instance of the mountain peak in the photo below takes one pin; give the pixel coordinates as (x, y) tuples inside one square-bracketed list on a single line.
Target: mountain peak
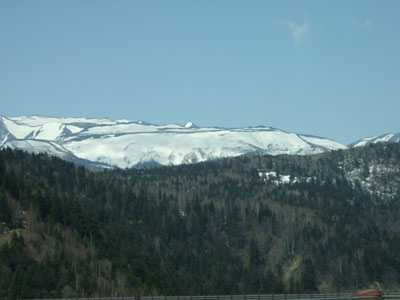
[(190, 125)]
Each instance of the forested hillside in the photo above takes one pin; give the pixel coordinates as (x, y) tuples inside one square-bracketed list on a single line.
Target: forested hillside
[(263, 224)]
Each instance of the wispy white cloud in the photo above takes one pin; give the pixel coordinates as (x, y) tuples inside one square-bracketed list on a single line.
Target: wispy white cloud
[(299, 31)]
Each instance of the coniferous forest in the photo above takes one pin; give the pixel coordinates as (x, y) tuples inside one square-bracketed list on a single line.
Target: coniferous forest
[(262, 224)]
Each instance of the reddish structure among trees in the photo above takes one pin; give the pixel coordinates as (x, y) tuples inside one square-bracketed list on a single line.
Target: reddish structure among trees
[(369, 294)]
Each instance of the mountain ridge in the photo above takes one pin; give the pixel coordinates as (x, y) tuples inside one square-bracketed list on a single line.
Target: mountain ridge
[(103, 142), (387, 137), (125, 143)]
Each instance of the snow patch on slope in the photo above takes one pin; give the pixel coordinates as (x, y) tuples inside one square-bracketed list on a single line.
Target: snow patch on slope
[(38, 146), (18, 130), (50, 131)]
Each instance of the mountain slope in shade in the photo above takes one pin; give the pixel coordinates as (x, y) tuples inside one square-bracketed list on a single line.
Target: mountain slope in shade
[(388, 137), (125, 143)]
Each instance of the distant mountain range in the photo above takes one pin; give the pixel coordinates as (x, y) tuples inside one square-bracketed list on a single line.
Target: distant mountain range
[(388, 137), (125, 143)]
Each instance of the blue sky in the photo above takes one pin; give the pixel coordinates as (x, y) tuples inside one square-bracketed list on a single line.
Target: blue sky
[(327, 68)]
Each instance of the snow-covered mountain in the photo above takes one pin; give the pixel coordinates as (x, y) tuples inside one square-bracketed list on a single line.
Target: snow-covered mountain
[(125, 143), (388, 137)]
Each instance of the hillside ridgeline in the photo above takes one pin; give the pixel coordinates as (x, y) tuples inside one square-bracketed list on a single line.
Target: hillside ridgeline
[(263, 224)]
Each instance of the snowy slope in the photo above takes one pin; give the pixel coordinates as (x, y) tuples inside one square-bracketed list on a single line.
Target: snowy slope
[(388, 137), (125, 143)]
